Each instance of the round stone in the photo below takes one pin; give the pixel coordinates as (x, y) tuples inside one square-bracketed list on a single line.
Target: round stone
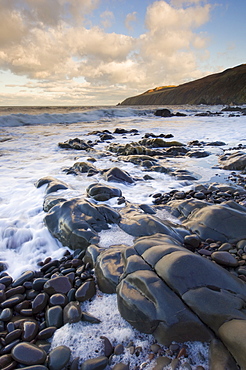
[(58, 299), (86, 291), (12, 301), (54, 316), (46, 333), (121, 366), (30, 330), (98, 363), (39, 302), (59, 284), (224, 258), (28, 354), (28, 275), (72, 312), (6, 314), (59, 357)]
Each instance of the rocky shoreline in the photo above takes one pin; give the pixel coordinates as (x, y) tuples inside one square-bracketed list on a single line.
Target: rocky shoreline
[(183, 279)]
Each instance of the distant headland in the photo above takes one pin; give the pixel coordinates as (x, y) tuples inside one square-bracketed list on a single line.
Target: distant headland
[(227, 87)]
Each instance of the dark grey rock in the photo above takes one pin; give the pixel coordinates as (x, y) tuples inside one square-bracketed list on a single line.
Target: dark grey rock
[(28, 354), (59, 284), (53, 184), (86, 291), (76, 222), (224, 258), (72, 312), (117, 175), (164, 315), (109, 267), (59, 357), (234, 161), (98, 363), (101, 192), (54, 316)]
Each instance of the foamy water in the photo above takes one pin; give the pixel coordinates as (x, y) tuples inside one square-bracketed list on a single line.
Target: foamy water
[(29, 151)]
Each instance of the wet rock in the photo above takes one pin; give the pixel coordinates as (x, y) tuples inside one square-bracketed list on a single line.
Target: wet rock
[(35, 367), (234, 161), (39, 302), (12, 301), (53, 184), (98, 363), (233, 335), (119, 349), (86, 291), (101, 192), (76, 222), (54, 316), (226, 223), (59, 284), (165, 316), (81, 167), (58, 299), (29, 330), (51, 201), (163, 113), (59, 357), (72, 312), (139, 224), (108, 348), (197, 154), (109, 267), (46, 333), (26, 276), (224, 258), (120, 366), (77, 144), (28, 354), (117, 175), (219, 357), (162, 362), (192, 242)]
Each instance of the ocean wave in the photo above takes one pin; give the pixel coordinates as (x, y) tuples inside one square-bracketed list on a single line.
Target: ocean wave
[(86, 115)]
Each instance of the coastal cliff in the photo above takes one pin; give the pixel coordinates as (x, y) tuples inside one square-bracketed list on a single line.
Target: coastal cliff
[(227, 87)]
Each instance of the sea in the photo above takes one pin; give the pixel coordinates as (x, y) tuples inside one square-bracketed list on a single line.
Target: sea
[(29, 150)]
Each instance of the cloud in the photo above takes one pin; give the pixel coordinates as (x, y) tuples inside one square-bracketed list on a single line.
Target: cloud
[(107, 18), (130, 18), (51, 41)]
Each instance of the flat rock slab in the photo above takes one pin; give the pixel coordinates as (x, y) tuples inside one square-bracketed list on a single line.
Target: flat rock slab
[(233, 334)]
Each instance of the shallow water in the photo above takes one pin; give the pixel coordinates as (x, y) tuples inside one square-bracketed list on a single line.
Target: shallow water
[(29, 140)]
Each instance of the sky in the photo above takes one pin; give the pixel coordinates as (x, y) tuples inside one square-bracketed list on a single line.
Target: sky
[(99, 52)]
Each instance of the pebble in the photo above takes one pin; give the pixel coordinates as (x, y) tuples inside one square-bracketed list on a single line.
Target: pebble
[(28, 354), (98, 363), (86, 291), (54, 316), (224, 258), (72, 312), (121, 366), (29, 330), (161, 362), (59, 284), (59, 357), (118, 349)]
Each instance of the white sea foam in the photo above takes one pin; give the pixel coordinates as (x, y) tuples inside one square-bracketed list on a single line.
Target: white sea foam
[(84, 338)]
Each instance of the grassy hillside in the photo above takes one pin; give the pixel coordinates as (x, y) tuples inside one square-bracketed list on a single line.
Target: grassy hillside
[(227, 87)]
